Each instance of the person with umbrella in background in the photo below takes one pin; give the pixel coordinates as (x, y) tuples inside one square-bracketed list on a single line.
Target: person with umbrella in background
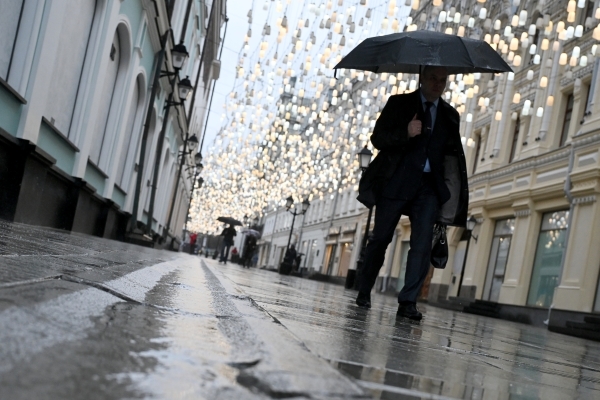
[(420, 170), (228, 234)]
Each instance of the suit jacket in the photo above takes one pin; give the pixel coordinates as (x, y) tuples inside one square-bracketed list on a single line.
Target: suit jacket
[(445, 152)]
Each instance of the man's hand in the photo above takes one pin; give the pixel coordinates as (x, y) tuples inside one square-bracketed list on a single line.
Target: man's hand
[(414, 127)]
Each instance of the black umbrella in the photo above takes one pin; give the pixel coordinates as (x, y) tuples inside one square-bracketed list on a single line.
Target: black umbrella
[(409, 51), (229, 220)]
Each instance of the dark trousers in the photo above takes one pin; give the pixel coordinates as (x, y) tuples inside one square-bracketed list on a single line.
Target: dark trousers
[(422, 211), (224, 251)]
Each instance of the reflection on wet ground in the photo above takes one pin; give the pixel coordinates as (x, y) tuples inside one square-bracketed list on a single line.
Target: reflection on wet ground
[(31, 252), (447, 355)]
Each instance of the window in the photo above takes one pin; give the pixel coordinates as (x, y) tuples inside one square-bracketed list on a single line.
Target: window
[(10, 18), (478, 146), (498, 257), (548, 258), (101, 135), (68, 69), (515, 139), (567, 120)]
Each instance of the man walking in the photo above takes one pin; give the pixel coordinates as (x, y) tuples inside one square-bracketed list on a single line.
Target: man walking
[(420, 172), (228, 234)]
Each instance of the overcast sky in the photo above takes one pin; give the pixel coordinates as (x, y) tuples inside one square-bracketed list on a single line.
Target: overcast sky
[(234, 39)]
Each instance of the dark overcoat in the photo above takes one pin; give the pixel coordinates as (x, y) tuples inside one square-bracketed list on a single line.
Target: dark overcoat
[(390, 137)]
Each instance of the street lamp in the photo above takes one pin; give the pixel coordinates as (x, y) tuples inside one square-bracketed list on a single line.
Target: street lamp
[(288, 205), (364, 159), (185, 87), (471, 222), (180, 55), (192, 141)]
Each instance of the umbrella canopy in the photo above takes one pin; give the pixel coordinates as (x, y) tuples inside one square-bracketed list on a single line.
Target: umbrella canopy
[(229, 220), (409, 51), (251, 232)]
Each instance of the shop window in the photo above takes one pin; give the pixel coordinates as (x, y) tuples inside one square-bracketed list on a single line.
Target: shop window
[(548, 258), (345, 255), (566, 120), (329, 258), (498, 257)]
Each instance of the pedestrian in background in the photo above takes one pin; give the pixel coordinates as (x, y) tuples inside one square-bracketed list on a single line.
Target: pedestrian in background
[(193, 238), (420, 172), (249, 250), (228, 234)]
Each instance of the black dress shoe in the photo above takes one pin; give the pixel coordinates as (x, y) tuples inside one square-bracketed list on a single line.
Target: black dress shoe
[(410, 311), (363, 300)]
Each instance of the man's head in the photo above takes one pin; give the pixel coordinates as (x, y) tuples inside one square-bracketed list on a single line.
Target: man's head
[(433, 82)]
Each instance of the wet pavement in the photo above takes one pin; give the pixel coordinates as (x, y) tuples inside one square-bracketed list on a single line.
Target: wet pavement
[(84, 317)]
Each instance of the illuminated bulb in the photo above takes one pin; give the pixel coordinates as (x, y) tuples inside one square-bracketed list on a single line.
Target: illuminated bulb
[(550, 101), (563, 59), (583, 61), (517, 98), (543, 81), (498, 116), (539, 112)]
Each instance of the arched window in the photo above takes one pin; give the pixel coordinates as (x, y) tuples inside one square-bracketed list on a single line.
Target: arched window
[(10, 18), (69, 63), (131, 141), (108, 91)]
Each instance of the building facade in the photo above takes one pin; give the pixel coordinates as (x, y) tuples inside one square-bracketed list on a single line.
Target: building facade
[(86, 136)]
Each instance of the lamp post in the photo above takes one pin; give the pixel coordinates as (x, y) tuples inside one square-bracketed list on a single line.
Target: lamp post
[(471, 222), (364, 159), (179, 56), (200, 181), (193, 142), (288, 206)]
